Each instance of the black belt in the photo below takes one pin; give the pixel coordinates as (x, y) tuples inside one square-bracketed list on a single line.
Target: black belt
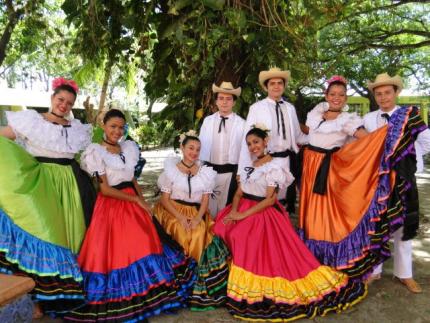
[(294, 167), (60, 161), (259, 199), (282, 154), (253, 197), (196, 205), (222, 169), (320, 184), (123, 185)]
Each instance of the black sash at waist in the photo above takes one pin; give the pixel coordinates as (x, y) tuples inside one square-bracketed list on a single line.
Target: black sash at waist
[(259, 199), (320, 184), (253, 197), (322, 150), (282, 154), (123, 185), (222, 169), (60, 161), (196, 205)]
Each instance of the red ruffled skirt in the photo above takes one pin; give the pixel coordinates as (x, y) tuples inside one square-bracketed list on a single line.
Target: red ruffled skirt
[(129, 274), (273, 275)]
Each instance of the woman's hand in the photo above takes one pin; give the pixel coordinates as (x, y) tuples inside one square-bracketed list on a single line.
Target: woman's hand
[(143, 204), (233, 216), (7, 132), (195, 222), (184, 222)]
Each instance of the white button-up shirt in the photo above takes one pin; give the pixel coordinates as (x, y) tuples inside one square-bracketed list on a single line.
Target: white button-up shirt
[(220, 141), (374, 120)]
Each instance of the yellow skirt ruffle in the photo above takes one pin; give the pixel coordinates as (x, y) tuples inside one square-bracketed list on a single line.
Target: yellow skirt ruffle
[(244, 285)]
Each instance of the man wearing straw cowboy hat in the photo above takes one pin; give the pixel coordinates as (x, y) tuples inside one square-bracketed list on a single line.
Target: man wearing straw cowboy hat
[(386, 89), (278, 116), (220, 135)]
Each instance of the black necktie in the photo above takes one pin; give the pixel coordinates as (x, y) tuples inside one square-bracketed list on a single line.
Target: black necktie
[(222, 123), (189, 183), (249, 171), (386, 116), (279, 112)]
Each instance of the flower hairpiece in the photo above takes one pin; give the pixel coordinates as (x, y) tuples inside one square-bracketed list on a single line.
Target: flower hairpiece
[(59, 81), (189, 133), (337, 78), (261, 126)]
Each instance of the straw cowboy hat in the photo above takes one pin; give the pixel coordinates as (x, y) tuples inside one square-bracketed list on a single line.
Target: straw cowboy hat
[(273, 72), (226, 87), (385, 79)]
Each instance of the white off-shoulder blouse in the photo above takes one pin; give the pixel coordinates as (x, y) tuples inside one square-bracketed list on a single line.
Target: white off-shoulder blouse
[(256, 180), (42, 138), (328, 134), (175, 182), (117, 167)]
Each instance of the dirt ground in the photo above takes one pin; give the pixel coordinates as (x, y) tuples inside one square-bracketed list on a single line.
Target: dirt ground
[(387, 301)]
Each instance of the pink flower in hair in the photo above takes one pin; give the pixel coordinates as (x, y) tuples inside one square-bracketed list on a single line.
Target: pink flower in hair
[(59, 81), (337, 78)]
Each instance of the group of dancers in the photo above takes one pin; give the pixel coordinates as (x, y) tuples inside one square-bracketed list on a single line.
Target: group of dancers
[(219, 234)]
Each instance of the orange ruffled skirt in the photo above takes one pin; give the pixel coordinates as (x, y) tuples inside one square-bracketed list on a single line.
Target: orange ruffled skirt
[(336, 225)]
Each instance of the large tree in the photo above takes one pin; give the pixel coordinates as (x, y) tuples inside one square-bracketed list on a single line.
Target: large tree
[(212, 40), (208, 41), (181, 46)]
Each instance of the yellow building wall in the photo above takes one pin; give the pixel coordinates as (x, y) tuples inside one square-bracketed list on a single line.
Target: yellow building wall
[(361, 105)]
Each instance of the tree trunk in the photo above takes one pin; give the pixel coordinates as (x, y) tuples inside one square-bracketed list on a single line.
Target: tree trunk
[(89, 111), (7, 33), (299, 104), (107, 73), (373, 105)]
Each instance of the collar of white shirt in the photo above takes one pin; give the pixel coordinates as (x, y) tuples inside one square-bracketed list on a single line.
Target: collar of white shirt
[(390, 113), (273, 101), (227, 116)]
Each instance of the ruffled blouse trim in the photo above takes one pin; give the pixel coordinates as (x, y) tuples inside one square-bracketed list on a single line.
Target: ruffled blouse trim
[(345, 122), (172, 173), (275, 173), (31, 125), (96, 158)]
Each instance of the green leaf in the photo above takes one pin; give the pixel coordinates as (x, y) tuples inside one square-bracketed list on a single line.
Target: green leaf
[(214, 4), (178, 5)]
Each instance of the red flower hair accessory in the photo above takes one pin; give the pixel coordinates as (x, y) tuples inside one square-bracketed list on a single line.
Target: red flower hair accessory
[(336, 78), (59, 81)]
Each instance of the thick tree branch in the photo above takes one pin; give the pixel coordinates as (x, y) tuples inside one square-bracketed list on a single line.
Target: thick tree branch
[(389, 46), (375, 9)]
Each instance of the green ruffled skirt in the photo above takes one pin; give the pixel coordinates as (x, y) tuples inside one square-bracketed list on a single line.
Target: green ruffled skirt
[(41, 226)]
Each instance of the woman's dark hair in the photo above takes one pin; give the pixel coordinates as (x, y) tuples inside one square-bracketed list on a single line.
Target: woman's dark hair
[(67, 88), (335, 83), (113, 113), (216, 96), (260, 133), (189, 138)]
